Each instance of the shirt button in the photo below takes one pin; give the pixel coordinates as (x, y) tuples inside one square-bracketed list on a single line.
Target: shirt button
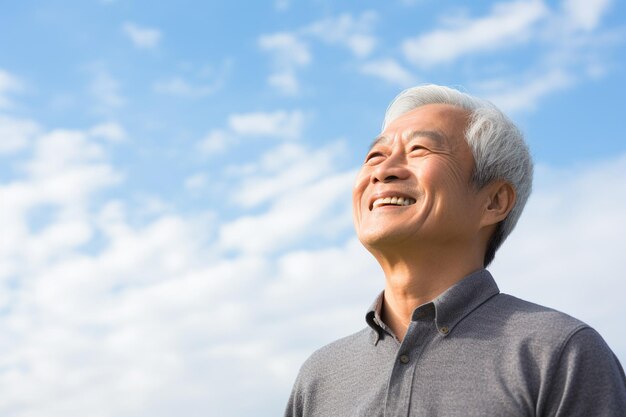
[(444, 330), (404, 358)]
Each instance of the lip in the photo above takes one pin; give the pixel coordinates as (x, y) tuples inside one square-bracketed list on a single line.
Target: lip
[(385, 194)]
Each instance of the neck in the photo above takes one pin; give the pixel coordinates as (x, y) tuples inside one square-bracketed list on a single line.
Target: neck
[(418, 277)]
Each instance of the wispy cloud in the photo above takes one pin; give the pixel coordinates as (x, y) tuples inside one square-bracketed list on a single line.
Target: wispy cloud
[(216, 141), (288, 53), (279, 124), (8, 84), (283, 170), (142, 37), (569, 48), (110, 131), (282, 5), (355, 33), (287, 49), (196, 181), (105, 89), (178, 86), (291, 217), (390, 71), (16, 134), (586, 15), (507, 24), (196, 82), (524, 94)]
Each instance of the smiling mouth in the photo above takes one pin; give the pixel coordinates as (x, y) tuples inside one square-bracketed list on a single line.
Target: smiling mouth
[(392, 201)]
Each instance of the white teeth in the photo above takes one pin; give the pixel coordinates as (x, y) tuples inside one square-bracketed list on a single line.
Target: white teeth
[(397, 201)]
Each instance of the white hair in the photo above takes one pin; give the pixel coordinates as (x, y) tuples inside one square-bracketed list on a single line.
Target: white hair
[(498, 146)]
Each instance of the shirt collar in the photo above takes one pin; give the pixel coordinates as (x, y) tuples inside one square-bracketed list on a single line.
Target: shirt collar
[(373, 318), (462, 298), (450, 307)]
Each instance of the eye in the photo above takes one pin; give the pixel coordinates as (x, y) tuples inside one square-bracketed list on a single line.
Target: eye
[(417, 149), (373, 155)]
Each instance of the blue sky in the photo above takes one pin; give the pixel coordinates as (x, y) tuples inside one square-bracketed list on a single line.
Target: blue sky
[(175, 184)]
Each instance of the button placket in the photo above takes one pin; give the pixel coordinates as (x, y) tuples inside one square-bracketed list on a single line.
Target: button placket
[(402, 375)]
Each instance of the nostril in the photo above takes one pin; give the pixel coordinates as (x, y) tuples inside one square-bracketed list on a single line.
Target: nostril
[(390, 178)]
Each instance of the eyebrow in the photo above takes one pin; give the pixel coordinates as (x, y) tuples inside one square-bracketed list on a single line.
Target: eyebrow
[(431, 134)]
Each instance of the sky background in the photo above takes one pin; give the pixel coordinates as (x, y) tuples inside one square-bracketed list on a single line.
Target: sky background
[(175, 184)]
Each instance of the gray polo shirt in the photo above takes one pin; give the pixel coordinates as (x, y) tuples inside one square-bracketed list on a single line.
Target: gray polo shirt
[(470, 352)]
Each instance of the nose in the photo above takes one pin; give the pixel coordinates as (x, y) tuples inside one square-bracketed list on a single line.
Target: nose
[(393, 168)]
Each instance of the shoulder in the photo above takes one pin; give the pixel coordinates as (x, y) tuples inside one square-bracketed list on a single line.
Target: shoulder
[(522, 331), (526, 319), (328, 357), (326, 381)]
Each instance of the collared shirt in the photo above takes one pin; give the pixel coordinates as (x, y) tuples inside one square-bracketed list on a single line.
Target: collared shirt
[(470, 352)]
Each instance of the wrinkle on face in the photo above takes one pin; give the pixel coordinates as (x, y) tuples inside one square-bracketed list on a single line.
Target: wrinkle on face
[(427, 147)]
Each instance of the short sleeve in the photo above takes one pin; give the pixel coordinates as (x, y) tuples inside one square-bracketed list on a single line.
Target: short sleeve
[(588, 380)]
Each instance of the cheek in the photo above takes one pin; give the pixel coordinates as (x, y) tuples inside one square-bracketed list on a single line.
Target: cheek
[(442, 176), (445, 188), (360, 184)]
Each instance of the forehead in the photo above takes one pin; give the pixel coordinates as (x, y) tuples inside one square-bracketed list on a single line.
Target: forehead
[(442, 123)]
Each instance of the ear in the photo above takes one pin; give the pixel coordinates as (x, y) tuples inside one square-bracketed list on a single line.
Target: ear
[(499, 200)]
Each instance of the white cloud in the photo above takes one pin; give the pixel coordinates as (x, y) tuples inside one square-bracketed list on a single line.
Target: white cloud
[(142, 37), (585, 14), (112, 131), (354, 33), (283, 170), (195, 182), (309, 211), (215, 142), (282, 5), (178, 86), (105, 90), (278, 124), (513, 95), (390, 71), (64, 171), (8, 84), (285, 82), (15, 134), (287, 48), (288, 52), (207, 79), (507, 24)]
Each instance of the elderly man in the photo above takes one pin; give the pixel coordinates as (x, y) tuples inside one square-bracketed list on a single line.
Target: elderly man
[(439, 191)]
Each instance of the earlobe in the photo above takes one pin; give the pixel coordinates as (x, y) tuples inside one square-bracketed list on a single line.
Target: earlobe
[(500, 201)]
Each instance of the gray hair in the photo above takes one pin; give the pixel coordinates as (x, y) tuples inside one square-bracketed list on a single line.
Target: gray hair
[(498, 146)]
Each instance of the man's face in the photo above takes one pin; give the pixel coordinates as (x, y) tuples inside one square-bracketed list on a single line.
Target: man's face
[(414, 186)]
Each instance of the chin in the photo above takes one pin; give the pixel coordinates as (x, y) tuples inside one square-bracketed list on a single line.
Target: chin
[(378, 239)]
